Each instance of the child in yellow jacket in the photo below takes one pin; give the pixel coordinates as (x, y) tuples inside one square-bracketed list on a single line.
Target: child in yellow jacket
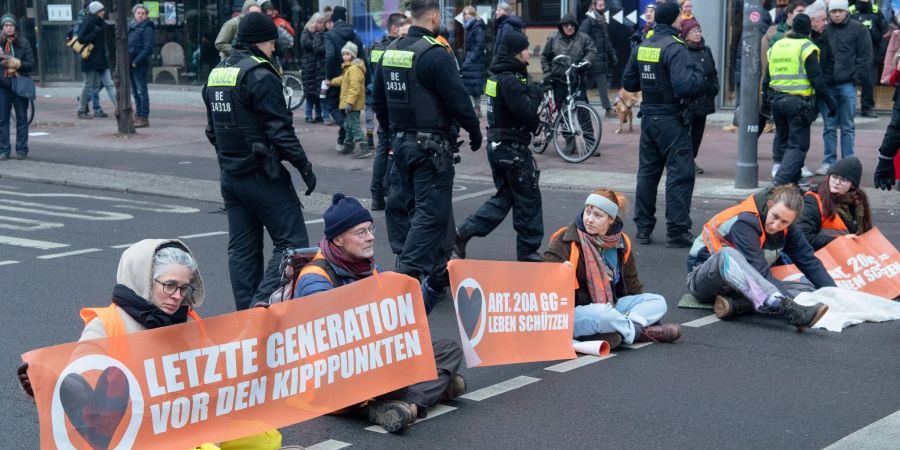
[(353, 100)]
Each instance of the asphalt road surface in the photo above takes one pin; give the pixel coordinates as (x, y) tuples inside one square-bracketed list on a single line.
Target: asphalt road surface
[(748, 383)]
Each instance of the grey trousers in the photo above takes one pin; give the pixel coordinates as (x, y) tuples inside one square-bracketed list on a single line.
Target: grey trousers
[(728, 273), (447, 357)]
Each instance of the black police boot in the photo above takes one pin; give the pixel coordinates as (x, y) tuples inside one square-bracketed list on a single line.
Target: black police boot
[(726, 307), (683, 240), (459, 244), (644, 238), (799, 315), (534, 257), (377, 202)]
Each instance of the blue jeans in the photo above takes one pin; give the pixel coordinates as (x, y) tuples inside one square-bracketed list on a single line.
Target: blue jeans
[(312, 104), (844, 96), (8, 101), (603, 318), (139, 91)]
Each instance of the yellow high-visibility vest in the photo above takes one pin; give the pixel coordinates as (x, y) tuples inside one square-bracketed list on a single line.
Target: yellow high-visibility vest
[(786, 66)]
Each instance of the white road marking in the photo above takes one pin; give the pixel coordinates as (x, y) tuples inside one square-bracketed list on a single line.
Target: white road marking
[(199, 235), (60, 211), (636, 346), (8, 262), (884, 433), (122, 245), (433, 412), (581, 361), (30, 243), (314, 221), (703, 321), (330, 444), (117, 202), (72, 253), (474, 195), (20, 224), (499, 388), (39, 133)]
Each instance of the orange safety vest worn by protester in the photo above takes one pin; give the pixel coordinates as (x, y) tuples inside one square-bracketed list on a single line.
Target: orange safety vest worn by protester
[(715, 230), (575, 253), (829, 223)]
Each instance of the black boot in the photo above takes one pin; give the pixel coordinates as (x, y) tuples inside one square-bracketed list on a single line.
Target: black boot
[(726, 307), (533, 257), (799, 315), (459, 244), (377, 202)]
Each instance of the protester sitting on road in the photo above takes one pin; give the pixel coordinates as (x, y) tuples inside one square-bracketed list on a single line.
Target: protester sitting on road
[(346, 255), (839, 206), (610, 295), (158, 284), (729, 264), (352, 82), (18, 63)]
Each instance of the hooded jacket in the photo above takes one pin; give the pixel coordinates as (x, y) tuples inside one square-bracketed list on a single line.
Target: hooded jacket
[(704, 103), (93, 31), (136, 272), (514, 114), (503, 25), (140, 42), (851, 48), (334, 42), (579, 47), (229, 29), (472, 70), (595, 26), (353, 85)]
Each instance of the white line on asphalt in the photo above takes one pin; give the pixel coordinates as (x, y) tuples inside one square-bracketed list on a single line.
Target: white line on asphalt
[(72, 253), (636, 346), (200, 235), (581, 361), (474, 195), (39, 133), (8, 262), (314, 221), (21, 224), (884, 433), (122, 245), (500, 388), (433, 412), (703, 321), (30, 243), (330, 444)]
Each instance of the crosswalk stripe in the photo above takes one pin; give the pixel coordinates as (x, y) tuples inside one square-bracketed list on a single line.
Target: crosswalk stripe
[(31, 243), (499, 388), (8, 262)]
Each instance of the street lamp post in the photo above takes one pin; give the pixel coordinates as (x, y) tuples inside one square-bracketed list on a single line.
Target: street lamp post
[(747, 173)]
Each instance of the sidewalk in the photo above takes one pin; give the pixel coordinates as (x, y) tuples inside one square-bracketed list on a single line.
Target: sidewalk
[(178, 120)]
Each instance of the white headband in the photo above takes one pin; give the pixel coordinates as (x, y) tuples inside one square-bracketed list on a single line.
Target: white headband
[(603, 204)]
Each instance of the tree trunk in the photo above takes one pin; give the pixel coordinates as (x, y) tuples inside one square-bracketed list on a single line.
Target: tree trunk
[(123, 67)]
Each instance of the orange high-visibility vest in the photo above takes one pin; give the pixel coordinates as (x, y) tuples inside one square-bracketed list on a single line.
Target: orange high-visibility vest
[(829, 223), (715, 239), (575, 253), (115, 326), (314, 268)]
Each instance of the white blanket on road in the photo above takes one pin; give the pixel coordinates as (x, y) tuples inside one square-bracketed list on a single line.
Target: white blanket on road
[(846, 307)]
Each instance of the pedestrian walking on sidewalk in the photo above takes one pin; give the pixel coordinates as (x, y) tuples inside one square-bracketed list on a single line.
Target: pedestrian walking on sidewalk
[(141, 34), (595, 26), (473, 65), (253, 132), (312, 41), (704, 104), (92, 32), (512, 116), (352, 83), (339, 35), (663, 70), (869, 14), (17, 64)]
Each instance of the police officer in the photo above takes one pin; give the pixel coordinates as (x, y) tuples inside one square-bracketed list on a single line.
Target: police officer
[(512, 117), (794, 76), (868, 13), (661, 68), (252, 131), (418, 91), (382, 152)]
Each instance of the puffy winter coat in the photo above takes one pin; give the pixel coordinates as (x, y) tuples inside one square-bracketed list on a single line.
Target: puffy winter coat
[(851, 48), (353, 85), (705, 103), (473, 65), (140, 42), (503, 25), (93, 31), (334, 42), (596, 27), (579, 47), (312, 64)]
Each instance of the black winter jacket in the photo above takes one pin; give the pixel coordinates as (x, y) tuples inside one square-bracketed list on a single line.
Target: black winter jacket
[(22, 50), (514, 110), (140, 42), (704, 103), (503, 25), (579, 47), (312, 64), (597, 28), (335, 39), (851, 48), (685, 76), (473, 65), (93, 31), (811, 224)]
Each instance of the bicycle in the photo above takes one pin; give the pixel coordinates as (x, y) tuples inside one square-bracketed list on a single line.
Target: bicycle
[(293, 91), (575, 128)]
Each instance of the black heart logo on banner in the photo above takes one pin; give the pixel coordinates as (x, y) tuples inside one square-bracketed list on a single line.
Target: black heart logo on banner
[(96, 412), (469, 307)]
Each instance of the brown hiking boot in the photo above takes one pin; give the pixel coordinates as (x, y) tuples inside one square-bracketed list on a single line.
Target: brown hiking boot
[(668, 332), (141, 122), (799, 315), (392, 415), (455, 388), (725, 307)]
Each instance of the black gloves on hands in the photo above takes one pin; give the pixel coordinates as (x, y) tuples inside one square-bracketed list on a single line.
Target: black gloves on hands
[(475, 141), (22, 373), (439, 279), (884, 173), (309, 178)]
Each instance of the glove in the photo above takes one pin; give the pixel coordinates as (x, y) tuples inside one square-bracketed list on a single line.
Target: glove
[(309, 178), (438, 279), (12, 63), (475, 141), (884, 173), (22, 372)]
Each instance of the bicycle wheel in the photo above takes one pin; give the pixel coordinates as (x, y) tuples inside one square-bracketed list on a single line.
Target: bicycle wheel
[(541, 138), (293, 92), (576, 135)]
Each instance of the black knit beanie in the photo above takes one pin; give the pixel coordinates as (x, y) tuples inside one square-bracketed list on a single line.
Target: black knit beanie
[(667, 12), (515, 42), (801, 26), (256, 27), (339, 13), (849, 168), (344, 214)]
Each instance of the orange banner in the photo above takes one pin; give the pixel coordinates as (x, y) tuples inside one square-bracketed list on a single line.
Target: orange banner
[(513, 312), (237, 374), (868, 263)]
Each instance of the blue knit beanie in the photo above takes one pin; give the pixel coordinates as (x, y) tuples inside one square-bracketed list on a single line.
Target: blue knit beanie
[(344, 214)]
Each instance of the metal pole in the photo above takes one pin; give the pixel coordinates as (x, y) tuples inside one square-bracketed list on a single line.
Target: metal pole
[(747, 173), (38, 39)]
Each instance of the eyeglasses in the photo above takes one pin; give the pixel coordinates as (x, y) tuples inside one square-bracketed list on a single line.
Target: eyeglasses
[(361, 233), (839, 179), (170, 287)]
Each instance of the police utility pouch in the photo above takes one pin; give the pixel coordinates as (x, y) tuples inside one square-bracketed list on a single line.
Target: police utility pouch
[(441, 156), (810, 109), (268, 160)]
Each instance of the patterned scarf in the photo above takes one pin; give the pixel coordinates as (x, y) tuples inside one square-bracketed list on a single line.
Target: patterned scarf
[(595, 270), (336, 256), (9, 50), (842, 205)]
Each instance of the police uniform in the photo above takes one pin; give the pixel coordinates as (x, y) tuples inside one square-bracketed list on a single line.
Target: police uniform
[(869, 14), (417, 92), (380, 164), (794, 76), (661, 68), (252, 131), (512, 114)]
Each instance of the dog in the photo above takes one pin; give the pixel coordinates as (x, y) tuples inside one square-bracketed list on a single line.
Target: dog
[(624, 103)]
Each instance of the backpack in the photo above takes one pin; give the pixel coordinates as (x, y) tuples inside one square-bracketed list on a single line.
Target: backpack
[(292, 261)]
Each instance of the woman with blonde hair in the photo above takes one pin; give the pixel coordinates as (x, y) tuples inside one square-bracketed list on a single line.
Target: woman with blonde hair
[(610, 296), (312, 65), (687, 9)]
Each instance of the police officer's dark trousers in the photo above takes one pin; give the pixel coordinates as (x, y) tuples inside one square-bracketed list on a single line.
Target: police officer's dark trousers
[(791, 114), (513, 169), (665, 144), (417, 180), (254, 201), (380, 169), (891, 138)]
